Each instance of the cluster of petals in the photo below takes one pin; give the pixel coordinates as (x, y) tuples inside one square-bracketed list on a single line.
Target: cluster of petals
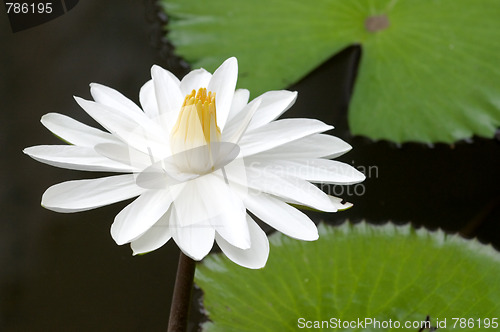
[(197, 193)]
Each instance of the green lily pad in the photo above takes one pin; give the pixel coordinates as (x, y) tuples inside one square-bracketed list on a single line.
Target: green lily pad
[(429, 70), (356, 272)]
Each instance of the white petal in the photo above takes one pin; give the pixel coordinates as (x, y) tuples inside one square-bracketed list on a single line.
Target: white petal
[(240, 100), (183, 166), (75, 157), (121, 153), (205, 158), (281, 216), (223, 83), (273, 104), (230, 223), (154, 238), (237, 126), (195, 240), (147, 99), (278, 133), (137, 217), (168, 96), (291, 189), (136, 129), (253, 258), (75, 132), (81, 195), (315, 170), (314, 146), (339, 203), (162, 174), (208, 199), (112, 98), (199, 78)]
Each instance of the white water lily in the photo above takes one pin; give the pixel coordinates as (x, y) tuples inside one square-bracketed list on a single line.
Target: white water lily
[(198, 156)]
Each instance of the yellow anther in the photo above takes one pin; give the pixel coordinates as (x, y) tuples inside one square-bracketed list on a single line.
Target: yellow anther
[(197, 121)]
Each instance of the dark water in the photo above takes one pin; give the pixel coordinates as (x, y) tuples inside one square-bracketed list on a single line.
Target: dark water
[(63, 272)]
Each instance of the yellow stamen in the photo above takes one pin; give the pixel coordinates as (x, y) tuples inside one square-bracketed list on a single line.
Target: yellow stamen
[(197, 121)]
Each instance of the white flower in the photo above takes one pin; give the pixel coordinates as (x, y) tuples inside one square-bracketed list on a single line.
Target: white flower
[(199, 156)]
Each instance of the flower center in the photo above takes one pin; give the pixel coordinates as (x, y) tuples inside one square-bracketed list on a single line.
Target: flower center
[(197, 122)]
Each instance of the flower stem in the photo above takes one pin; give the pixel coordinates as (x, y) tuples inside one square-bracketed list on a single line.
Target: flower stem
[(181, 299)]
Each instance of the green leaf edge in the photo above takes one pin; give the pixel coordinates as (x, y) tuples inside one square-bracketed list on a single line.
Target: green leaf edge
[(463, 133), (438, 237)]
